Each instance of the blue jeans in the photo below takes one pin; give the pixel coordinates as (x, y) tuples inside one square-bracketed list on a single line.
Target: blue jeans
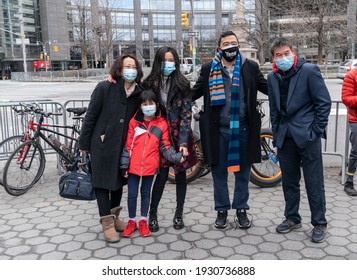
[(220, 174), (291, 159), (133, 189)]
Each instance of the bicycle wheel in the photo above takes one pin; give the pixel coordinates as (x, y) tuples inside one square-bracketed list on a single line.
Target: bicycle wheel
[(7, 147), (24, 168), (267, 173), (195, 171)]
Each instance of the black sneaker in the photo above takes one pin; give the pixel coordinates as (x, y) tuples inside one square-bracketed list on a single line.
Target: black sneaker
[(287, 226), (318, 234), (349, 189), (242, 219), (221, 221)]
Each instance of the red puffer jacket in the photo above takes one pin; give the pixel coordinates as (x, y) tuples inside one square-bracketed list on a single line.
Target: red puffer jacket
[(349, 94), (141, 154)]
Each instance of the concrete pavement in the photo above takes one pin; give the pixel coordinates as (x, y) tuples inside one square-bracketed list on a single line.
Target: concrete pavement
[(40, 225)]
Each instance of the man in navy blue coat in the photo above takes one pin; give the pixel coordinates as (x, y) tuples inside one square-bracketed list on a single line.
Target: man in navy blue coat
[(299, 108)]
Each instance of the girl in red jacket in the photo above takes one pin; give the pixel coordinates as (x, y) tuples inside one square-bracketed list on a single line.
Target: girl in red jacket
[(148, 135)]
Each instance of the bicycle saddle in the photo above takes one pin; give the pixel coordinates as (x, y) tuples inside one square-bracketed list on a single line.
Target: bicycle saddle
[(77, 111)]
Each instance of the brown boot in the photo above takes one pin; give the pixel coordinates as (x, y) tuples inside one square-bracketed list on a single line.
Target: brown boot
[(108, 229), (118, 223)]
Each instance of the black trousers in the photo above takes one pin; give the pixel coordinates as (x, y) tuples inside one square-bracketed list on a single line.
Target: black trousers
[(292, 159), (107, 200), (159, 185)]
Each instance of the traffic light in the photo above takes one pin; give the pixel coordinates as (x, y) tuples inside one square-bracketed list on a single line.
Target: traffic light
[(184, 19)]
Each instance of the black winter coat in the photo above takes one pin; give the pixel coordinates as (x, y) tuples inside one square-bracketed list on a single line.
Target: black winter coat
[(105, 129), (253, 81)]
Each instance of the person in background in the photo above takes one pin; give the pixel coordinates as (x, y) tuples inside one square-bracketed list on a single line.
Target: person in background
[(103, 135), (230, 125), (148, 135), (349, 98), (299, 109), (174, 95)]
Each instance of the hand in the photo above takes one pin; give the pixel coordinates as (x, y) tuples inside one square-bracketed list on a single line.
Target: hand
[(83, 152), (182, 159), (184, 151), (124, 172), (111, 80)]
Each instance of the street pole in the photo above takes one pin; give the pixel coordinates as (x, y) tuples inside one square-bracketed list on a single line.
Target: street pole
[(193, 44)]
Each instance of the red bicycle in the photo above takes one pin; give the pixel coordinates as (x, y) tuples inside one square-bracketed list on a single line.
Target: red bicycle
[(26, 164)]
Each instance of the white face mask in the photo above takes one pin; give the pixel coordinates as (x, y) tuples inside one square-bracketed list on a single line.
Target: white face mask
[(148, 110), (130, 74)]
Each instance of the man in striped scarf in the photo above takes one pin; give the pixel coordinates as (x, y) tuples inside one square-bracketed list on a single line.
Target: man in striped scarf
[(230, 124)]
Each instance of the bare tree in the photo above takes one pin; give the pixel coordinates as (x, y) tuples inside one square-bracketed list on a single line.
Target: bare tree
[(80, 17), (321, 22)]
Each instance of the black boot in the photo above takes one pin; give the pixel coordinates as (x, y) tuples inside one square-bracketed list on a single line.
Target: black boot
[(153, 223), (178, 220)]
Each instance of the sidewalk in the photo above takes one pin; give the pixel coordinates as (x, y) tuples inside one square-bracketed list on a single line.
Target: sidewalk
[(41, 225)]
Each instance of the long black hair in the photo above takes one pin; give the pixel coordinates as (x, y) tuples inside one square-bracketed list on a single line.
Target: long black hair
[(154, 80)]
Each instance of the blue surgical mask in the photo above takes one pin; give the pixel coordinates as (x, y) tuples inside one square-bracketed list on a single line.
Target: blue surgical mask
[(148, 110), (130, 74), (284, 63), (168, 67)]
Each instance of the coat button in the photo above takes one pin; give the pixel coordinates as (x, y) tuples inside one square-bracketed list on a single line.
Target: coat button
[(121, 120)]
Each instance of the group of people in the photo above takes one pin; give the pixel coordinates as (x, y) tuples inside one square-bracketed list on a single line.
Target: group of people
[(134, 130)]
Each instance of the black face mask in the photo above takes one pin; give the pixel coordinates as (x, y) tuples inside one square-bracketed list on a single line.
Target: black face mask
[(231, 53)]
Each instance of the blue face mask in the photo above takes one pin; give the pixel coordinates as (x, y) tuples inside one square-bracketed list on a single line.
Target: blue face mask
[(284, 63), (130, 75), (168, 67), (148, 110)]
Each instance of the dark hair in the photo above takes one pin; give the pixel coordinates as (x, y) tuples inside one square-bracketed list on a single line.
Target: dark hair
[(280, 42), (117, 67), (154, 79), (147, 95), (226, 34)]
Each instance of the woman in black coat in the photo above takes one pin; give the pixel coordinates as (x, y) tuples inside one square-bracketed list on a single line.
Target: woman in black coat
[(103, 136)]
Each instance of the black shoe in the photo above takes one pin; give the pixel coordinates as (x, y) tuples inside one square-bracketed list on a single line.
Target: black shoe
[(221, 221), (349, 189), (287, 226), (178, 220), (318, 234), (242, 219), (153, 223)]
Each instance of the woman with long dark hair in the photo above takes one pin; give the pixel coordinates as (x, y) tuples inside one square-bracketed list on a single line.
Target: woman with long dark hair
[(174, 94), (104, 133)]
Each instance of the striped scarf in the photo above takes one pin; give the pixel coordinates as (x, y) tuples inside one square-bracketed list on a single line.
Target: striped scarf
[(218, 98)]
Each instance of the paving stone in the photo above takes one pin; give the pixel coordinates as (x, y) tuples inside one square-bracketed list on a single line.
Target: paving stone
[(229, 242), (61, 238), (84, 237), (206, 244), (264, 256), (252, 239), (45, 248), (144, 241), (155, 248), (131, 250), (180, 246), (222, 252), (17, 250), (95, 245), (289, 255), (336, 250), (244, 249), (170, 255), (145, 256), (80, 254), (191, 236), (196, 254), (105, 253), (167, 238), (54, 256), (313, 253), (36, 240), (269, 247), (200, 228)]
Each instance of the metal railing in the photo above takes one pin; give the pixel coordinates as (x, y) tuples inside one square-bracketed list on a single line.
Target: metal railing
[(336, 144)]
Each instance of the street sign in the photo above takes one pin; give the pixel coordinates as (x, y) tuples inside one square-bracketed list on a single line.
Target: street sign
[(193, 33), (26, 41)]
